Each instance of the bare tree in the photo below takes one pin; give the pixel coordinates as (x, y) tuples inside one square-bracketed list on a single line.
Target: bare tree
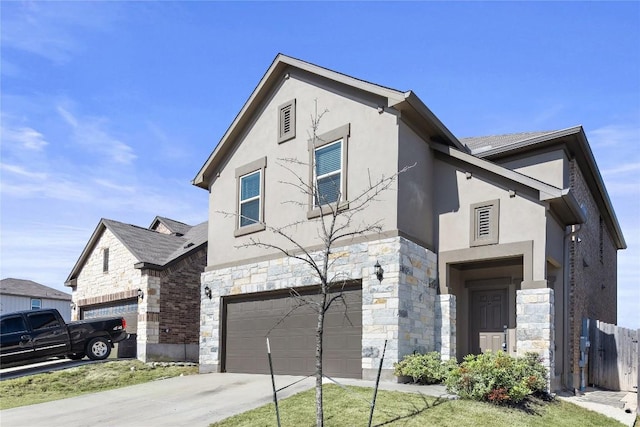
[(336, 225)]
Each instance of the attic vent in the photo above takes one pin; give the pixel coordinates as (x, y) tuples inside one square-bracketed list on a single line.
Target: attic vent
[(178, 234), (188, 245), (484, 223), (287, 121)]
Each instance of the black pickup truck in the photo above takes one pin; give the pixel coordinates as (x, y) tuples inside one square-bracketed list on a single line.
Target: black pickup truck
[(41, 334)]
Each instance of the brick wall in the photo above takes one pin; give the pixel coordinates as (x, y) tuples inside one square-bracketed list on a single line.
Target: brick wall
[(180, 300), (593, 269)]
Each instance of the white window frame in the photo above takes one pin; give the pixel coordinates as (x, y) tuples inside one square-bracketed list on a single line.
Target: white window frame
[(316, 178), (338, 135), (257, 166), (242, 201), (37, 305)]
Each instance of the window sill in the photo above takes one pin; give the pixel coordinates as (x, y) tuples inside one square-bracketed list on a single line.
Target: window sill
[(326, 210), (248, 229)]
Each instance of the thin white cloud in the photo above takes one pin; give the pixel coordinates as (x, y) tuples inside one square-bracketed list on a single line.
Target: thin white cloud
[(91, 134), (622, 169), (24, 137), (51, 29), (113, 186), (22, 172), (615, 135)]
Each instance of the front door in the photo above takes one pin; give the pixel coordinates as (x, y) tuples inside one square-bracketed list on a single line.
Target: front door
[(488, 320)]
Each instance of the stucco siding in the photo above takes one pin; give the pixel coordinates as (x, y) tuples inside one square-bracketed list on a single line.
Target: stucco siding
[(415, 187), (520, 218), (551, 167), (372, 152)]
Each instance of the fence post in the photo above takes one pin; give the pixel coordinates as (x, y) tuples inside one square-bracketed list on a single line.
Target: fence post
[(375, 391), (273, 383)]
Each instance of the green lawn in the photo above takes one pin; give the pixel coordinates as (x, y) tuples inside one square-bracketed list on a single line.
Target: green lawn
[(351, 408), (81, 380)]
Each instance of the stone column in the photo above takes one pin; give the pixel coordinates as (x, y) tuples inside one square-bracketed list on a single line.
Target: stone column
[(535, 325), (445, 331)]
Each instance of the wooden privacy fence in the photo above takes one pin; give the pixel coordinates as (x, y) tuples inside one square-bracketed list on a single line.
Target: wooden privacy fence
[(613, 356)]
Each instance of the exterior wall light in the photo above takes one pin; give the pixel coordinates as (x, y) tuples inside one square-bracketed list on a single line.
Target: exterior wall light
[(207, 291), (379, 271), (73, 305), (140, 294)]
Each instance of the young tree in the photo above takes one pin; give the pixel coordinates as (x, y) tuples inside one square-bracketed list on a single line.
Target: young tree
[(336, 224)]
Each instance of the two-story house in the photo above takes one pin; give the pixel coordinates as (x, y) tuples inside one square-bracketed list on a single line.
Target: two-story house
[(494, 243)]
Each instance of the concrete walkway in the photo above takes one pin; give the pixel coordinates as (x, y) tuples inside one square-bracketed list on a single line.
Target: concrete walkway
[(198, 400), (619, 405)]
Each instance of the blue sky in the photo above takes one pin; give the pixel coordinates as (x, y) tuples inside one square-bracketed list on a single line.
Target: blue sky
[(110, 109)]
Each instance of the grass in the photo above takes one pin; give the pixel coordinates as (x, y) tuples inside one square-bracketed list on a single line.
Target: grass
[(351, 408), (81, 380)]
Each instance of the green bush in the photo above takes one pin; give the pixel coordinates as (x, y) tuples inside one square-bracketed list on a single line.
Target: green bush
[(498, 377), (424, 368)]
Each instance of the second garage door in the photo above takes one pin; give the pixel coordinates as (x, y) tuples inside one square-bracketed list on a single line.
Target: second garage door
[(250, 319), (124, 308)]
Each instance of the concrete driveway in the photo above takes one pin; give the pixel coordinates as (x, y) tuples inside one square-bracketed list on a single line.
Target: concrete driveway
[(192, 400)]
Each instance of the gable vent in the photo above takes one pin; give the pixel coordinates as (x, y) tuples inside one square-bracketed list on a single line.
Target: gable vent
[(287, 121), (484, 221)]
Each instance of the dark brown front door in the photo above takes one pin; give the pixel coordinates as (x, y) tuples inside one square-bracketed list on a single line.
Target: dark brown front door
[(488, 320)]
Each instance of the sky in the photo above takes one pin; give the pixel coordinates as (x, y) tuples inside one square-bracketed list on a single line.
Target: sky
[(109, 109)]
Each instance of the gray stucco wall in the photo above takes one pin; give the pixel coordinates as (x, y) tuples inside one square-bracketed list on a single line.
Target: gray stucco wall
[(372, 153)]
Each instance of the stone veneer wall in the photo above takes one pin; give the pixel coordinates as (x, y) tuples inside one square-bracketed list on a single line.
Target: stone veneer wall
[(535, 325), (93, 286), (399, 309), (445, 331)]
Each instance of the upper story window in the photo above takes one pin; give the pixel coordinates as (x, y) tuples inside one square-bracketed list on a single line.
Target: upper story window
[(484, 223), (105, 260), (250, 197), (287, 121), (36, 303), (328, 173), (329, 179)]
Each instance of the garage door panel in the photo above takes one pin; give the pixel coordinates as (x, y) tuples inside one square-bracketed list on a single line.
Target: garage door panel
[(127, 309), (292, 336)]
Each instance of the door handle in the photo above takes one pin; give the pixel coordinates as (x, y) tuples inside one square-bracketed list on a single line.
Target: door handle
[(25, 338)]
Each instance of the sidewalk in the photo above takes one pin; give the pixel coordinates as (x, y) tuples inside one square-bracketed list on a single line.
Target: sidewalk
[(614, 404)]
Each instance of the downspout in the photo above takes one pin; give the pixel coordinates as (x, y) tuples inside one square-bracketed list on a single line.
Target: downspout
[(568, 239)]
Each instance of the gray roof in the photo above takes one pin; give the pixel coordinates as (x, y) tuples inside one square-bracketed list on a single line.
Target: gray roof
[(30, 288), (152, 247), (481, 144)]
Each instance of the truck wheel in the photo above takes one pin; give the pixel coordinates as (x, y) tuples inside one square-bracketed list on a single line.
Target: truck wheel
[(76, 356), (98, 349)]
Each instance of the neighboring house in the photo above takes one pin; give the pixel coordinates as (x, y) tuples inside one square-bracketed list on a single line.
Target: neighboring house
[(502, 242), (149, 276), (18, 294)]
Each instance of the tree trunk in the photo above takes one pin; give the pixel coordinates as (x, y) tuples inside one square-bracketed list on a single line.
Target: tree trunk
[(319, 333)]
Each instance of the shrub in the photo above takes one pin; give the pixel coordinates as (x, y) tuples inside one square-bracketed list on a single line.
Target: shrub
[(424, 368), (497, 377)]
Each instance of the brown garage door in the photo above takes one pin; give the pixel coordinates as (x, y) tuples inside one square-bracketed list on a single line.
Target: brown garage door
[(249, 320)]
